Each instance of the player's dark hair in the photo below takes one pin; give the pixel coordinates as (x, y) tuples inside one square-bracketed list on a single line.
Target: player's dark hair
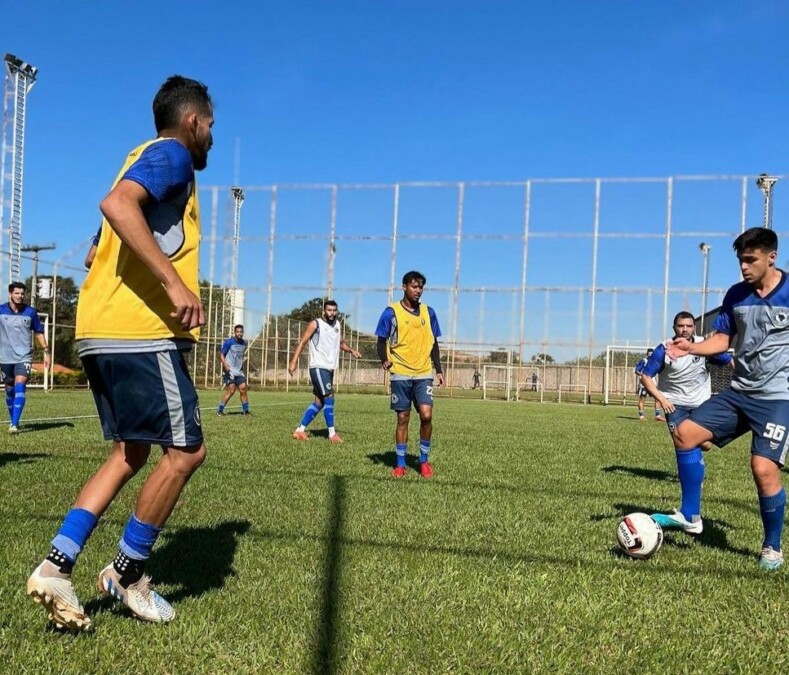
[(238, 325), (175, 97), (329, 303), (756, 237), (683, 315), (16, 284), (649, 351), (413, 275)]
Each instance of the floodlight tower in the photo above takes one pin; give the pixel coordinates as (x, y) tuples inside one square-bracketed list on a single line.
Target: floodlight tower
[(765, 183), (19, 80), (234, 294)]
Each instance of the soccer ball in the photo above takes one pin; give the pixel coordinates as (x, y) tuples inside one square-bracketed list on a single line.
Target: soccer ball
[(639, 536)]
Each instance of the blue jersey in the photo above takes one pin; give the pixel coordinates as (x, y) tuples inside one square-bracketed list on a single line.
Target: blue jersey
[(759, 332), (16, 333), (233, 351)]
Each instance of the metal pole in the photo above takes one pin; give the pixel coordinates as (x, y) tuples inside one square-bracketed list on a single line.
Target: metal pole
[(525, 257), (332, 244), (269, 276), (395, 219), (705, 251), (595, 242), (456, 291), (765, 184), (667, 261)]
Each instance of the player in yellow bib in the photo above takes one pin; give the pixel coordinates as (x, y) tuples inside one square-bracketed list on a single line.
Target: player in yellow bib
[(139, 310), (408, 333)]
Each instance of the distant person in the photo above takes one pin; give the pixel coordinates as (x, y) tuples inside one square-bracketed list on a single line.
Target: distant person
[(643, 393), (534, 380), (18, 324), (408, 333), (475, 379), (324, 336), (139, 310), (231, 355)]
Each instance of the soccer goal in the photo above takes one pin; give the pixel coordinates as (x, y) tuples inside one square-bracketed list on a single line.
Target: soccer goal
[(572, 388), (621, 384), (496, 382)]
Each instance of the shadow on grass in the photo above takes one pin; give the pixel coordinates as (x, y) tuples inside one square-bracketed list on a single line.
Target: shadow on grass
[(390, 459), (714, 534), (651, 474), (628, 418), (21, 458), (43, 426)]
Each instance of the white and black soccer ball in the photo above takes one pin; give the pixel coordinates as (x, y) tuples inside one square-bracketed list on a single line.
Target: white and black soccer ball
[(639, 536)]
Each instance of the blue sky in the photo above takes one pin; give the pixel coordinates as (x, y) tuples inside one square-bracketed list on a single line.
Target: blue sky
[(430, 90)]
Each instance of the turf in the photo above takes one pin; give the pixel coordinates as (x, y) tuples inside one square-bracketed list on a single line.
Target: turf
[(307, 557)]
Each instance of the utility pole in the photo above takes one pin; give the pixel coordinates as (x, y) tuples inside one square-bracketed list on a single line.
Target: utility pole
[(35, 249)]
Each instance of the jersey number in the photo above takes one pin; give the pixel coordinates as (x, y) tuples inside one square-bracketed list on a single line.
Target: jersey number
[(430, 392), (775, 432)]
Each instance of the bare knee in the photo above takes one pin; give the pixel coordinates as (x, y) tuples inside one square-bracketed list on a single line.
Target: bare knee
[(403, 417), (186, 461)]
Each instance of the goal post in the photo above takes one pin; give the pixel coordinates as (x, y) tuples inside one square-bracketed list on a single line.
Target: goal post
[(498, 380), (619, 378), (46, 383), (574, 387)]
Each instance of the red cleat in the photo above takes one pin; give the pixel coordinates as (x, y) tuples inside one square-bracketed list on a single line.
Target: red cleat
[(426, 470), (399, 471), (335, 439), (301, 436)]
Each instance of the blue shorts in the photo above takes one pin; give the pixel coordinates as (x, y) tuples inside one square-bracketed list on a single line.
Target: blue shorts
[(147, 398), (407, 392), (680, 414), (322, 382), (235, 380), (731, 414), (11, 371)]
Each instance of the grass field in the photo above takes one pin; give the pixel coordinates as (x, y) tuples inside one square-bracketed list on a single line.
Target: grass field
[(304, 557)]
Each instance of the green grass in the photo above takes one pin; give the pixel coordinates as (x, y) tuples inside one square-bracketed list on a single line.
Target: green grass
[(305, 557)]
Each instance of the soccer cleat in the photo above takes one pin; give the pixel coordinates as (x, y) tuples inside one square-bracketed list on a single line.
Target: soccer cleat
[(12, 429), (641, 418), (425, 470), (247, 414), (660, 418), (770, 559), (144, 602), (55, 593), (676, 521), (399, 471), (301, 436), (220, 413), (335, 439)]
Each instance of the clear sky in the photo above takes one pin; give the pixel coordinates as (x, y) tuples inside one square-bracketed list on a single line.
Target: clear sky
[(404, 90)]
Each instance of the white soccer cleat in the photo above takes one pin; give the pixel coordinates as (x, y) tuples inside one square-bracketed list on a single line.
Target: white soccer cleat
[(12, 429), (677, 521), (144, 602), (770, 559), (55, 593)]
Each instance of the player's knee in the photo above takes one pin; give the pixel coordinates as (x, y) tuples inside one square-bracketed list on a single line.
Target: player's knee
[(134, 454), (426, 416), (403, 417), (186, 461)]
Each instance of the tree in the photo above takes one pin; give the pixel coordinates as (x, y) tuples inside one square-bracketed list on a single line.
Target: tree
[(501, 355), (66, 317), (310, 310), (542, 358)]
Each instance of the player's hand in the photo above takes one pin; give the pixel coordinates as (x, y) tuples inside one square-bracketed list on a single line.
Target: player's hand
[(440, 379), (356, 354), (188, 310), (291, 369), (46, 360), (668, 406), (677, 348), (386, 365)]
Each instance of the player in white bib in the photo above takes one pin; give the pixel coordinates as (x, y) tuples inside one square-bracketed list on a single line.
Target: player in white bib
[(684, 384), (324, 336)]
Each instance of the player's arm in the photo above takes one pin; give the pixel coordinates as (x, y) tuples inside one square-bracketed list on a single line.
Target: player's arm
[(222, 353), (382, 331), (42, 342), (716, 344), (649, 384), (349, 350), (383, 357), (435, 357), (91, 255), (309, 331), (122, 208)]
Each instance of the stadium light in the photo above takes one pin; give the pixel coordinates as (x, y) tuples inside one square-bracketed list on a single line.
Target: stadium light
[(705, 251)]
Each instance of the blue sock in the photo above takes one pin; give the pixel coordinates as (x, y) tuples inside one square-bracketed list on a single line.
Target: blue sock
[(9, 401), (309, 414), (328, 411), (138, 538), (772, 510), (424, 450), (245, 407), (19, 402), (220, 407), (74, 532), (400, 450), (658, 412), (690, 466)]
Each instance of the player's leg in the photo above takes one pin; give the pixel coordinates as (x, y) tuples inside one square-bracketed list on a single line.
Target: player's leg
[(659, 413), (21, 374), (229, 391), (641, 396), (401, 404), (170, 416), (313, 409), (769, 422), (327, 380), (241, 383), (423, 400), (715, 420)]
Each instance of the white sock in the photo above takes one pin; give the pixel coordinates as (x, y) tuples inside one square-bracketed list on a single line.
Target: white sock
[(301, 427), (332, 432)]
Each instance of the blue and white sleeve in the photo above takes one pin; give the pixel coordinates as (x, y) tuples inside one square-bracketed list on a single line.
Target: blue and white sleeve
[(164, 168)]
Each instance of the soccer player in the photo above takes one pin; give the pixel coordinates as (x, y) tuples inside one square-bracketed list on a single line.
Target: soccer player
[(324, 336), (18, 323), (138, 310), (754, 320), (642, 391), (232, 357), (684, 384), (408, 333)]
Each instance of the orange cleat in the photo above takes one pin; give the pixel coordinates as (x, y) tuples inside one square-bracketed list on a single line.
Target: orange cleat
[(335, 439), (301, 436), (399, 471), (425, 470)]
